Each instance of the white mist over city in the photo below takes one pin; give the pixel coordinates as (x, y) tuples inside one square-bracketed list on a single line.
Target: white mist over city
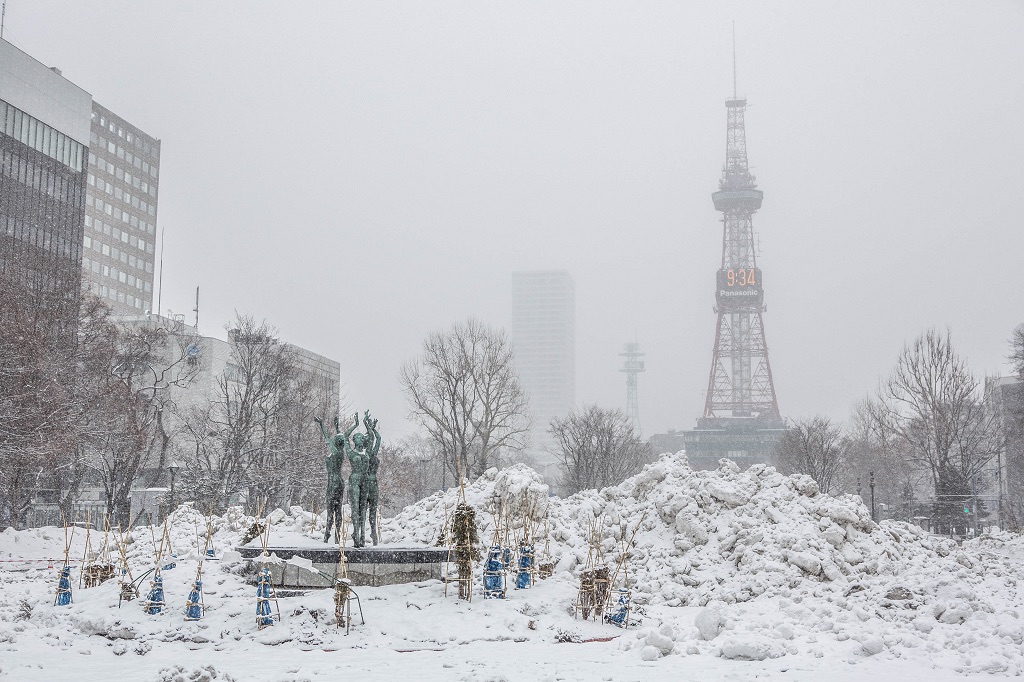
[(550, 341)]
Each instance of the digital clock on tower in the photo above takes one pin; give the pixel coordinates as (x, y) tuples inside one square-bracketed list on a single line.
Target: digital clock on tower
[(735, 282)]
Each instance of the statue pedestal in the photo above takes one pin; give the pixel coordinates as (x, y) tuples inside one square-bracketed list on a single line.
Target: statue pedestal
[(367, 566)]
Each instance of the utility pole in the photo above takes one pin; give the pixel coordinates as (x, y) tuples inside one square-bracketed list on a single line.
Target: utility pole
[(872, 485)]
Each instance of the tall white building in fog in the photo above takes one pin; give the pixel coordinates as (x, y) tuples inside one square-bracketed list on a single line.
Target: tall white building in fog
[(544, 338)]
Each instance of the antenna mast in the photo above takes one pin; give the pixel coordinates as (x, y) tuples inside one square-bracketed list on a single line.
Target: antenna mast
[(734, 95), (632, 366), (196, 309), (160, 283)]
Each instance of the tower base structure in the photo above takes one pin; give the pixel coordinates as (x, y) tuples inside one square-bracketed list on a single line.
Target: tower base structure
[(745, 441)]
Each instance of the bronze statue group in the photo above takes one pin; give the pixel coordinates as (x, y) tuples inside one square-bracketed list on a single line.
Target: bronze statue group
[(362, 450)]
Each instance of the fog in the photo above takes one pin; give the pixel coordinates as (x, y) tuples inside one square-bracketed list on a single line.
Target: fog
[(360, 174)]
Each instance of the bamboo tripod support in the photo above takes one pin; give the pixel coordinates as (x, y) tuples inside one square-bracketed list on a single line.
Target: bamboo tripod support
[(594, 579), (129, 590), (267, 609), (88, 550), (195, 606), (154, 602), (461, 543), (63, 596)]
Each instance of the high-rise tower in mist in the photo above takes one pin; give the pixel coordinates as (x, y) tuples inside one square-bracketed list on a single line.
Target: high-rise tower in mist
[(741, 414), (544, 338), (118, 261)]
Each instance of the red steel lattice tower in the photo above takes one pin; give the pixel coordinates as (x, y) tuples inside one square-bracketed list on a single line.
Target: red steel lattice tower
[(740, 385)]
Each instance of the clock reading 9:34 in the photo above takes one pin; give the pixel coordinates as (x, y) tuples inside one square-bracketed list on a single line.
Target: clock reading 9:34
[(741, 277)]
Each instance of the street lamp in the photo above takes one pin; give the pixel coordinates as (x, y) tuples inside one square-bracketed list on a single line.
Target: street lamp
[(173, 468), (872, 484)]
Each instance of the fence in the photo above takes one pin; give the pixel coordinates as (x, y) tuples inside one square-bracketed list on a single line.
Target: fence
[(40, 515)]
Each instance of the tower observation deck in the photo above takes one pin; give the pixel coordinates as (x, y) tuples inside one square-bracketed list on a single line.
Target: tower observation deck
[(741, 414)]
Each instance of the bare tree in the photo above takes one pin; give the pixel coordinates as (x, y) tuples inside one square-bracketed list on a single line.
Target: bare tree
[(411, 468), (900, 484), (816, 447), (930, 412), (245, 416), (598, 447), (126, 426), (464, 390), (300, 454), (1017, 351), (47, 354)]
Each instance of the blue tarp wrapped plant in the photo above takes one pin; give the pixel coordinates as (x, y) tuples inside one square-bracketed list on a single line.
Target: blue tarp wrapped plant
[(524, 578), (494, 574), (194, 606), (154, 603), (264, 616), (620, 610), (64, 587)]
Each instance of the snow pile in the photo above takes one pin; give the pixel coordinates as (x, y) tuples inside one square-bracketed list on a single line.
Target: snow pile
[(517, 490), (705, 535), (729, 566), (778, 565)]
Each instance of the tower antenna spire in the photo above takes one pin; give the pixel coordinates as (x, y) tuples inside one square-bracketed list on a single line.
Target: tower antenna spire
[(734, 95)]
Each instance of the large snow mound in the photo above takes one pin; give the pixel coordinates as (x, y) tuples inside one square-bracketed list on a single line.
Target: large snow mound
[(721, 535)]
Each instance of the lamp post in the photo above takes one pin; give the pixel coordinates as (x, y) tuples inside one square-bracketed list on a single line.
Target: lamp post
[(871, 483), (173, 468), (423, 476)]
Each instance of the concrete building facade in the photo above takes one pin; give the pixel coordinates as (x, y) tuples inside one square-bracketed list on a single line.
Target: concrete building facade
[(544, 339)]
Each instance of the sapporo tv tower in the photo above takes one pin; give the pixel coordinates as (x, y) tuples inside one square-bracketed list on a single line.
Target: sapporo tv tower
[(741, 415)]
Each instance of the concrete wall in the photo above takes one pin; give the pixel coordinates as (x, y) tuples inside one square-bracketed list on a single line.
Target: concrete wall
[(40, 92)]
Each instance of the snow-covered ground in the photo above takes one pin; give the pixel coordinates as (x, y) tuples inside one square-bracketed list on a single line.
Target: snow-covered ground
[(736, 575)]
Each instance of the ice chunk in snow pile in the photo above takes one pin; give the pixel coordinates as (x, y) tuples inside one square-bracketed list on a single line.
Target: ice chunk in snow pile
[(749, 647), (709, 622), (872, 646)]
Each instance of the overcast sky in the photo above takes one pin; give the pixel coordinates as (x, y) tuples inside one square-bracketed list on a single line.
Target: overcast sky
[(361, 174)]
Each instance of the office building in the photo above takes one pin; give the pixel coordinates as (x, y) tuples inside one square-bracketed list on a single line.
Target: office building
[(78, 188), (544, 338), (44, 141), (119, 257)]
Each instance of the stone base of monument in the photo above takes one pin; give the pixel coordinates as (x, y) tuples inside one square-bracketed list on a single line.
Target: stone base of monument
[(317, 567)]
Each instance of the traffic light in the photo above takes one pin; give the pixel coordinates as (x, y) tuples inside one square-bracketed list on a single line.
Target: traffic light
[(967, 509)]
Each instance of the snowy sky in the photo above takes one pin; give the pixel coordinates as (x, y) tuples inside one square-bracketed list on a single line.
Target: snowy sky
[(363, 173)]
